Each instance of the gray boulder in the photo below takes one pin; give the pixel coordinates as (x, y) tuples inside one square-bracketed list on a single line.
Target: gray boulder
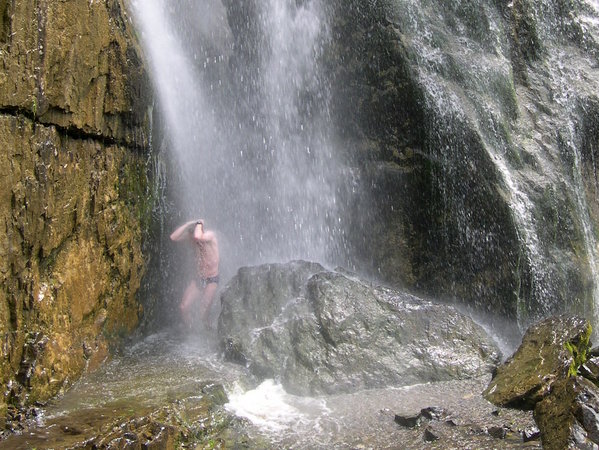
[(324, 332)]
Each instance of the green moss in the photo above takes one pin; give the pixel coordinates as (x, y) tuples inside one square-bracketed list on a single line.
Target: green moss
[(133, 188), (578, 349)]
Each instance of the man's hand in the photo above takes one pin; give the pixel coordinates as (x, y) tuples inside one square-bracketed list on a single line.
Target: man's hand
[(184, 231)]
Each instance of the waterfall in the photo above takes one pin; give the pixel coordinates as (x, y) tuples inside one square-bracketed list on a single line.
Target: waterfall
[(481, 101), (490, 127), (249, 135), (565, 69), (525, 136)]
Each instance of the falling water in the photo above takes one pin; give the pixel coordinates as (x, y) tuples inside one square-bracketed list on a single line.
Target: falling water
[(477, 103), (465, 68), (248, 135), (568, 62), (565, 70)]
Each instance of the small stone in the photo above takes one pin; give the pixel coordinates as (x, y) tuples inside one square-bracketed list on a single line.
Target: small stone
[(531, 434), (433, 413), (497, 432), (409, 421), (430, 435)]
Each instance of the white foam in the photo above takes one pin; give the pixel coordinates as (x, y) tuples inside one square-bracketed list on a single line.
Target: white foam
[(273, 410)]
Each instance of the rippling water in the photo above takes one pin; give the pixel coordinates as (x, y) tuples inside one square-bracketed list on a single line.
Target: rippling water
[(165, 368)]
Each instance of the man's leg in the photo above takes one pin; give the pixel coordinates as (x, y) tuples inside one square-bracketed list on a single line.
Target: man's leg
[(207, 299), (189, 297)]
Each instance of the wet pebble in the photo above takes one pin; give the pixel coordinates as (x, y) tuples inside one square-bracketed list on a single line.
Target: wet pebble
[(408, 421), (430, 435), (531, 434), (497, 432)]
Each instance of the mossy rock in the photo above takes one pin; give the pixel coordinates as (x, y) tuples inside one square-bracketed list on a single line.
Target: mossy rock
[(567, 417), (551, 350)]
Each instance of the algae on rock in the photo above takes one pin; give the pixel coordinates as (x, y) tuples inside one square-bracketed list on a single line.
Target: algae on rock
[(73, 120), (551, 350)]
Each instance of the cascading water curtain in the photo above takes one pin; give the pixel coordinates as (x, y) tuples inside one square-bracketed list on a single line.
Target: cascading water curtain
[(296, 126), (245, 107)]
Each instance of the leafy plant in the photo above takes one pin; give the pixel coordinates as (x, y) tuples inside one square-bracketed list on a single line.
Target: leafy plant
[(578, 350)]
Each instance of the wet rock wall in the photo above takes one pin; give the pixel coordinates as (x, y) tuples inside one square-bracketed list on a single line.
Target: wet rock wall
[(74, 208), (473, 128)]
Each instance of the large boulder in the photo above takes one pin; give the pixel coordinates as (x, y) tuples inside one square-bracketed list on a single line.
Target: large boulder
[(569, 416), (324, 332), (550, 350), (552, 373)]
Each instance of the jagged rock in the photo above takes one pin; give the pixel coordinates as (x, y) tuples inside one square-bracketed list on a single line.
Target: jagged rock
[(550, 351), (590, 370), (435, 229), (569, 416), (75, 65), (324, 332)]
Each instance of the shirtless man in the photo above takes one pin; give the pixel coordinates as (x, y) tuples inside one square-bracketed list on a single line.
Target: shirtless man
[(204, 285)]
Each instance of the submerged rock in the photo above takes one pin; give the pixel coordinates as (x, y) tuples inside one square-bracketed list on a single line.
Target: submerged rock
[(550, 350), (188, 419), (323, 332)]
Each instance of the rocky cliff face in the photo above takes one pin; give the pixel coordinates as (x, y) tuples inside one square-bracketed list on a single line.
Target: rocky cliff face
[(474, 125), (74, 130)]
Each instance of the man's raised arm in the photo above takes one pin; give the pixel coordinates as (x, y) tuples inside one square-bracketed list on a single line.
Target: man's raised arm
[(183, 231)]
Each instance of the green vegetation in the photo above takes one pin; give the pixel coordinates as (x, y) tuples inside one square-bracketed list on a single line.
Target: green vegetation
[(133, 188), (578, 349)]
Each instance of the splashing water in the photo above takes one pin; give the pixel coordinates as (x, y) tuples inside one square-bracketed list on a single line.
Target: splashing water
[(272, 409)]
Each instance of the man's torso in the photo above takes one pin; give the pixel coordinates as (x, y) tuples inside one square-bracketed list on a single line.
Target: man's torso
[(207, 258)]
